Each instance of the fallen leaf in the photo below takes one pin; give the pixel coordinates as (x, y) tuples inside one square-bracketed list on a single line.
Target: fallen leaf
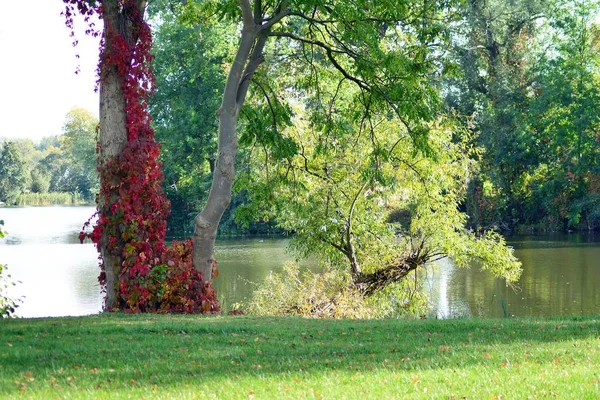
[(487, 355)]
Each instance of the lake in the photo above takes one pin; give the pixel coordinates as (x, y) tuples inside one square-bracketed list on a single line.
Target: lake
[(58, 275)]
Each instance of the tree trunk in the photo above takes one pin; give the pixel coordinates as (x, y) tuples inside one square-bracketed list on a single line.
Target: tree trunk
[(248, 57), (112, 140), (112, 137)]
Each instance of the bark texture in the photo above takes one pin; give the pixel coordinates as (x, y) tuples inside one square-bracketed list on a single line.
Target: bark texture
[(112, 140), (248, 58), (112, 136)]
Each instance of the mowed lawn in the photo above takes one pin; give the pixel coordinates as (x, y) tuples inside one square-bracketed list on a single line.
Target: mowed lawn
[(117, 356)]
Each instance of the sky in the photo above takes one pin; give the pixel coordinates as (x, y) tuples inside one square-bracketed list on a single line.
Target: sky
[(38, 84)]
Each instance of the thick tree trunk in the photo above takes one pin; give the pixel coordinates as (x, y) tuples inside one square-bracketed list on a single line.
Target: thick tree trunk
[(112, 140), (112, 137)]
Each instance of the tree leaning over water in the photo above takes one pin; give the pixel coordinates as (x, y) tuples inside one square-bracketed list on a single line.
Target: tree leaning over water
[(387, 54), (379, 65), (349, 36)]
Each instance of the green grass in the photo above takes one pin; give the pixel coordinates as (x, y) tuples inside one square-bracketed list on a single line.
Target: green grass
[(182, 357)]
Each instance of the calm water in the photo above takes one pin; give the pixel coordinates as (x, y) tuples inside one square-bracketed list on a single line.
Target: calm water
[(58, 275)]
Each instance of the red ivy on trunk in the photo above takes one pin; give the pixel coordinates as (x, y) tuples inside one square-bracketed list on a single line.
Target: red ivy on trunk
[(154, 277)]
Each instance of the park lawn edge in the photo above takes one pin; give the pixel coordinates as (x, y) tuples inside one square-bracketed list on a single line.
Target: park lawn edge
[(118, 355)]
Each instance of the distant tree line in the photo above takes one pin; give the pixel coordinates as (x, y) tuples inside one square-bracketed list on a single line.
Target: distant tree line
[(57, 169)]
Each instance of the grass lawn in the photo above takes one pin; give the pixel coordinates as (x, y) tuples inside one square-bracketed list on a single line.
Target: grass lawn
[(118, 356)]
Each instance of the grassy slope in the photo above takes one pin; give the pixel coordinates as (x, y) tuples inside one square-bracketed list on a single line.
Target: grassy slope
[(160, 356)]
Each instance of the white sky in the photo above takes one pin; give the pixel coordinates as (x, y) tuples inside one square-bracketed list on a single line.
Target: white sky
[(38, 84)]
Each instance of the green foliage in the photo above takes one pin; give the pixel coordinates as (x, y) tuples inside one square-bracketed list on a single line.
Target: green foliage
[(528, 88), (58, 164), (564, 119), (340, 189), (78, 143), (13, 178), (40, 182), (328, 294), (331, 294), (189, 68), (8, 305)]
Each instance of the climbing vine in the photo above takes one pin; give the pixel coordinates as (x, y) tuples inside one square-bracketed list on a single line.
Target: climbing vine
[(133, 208)]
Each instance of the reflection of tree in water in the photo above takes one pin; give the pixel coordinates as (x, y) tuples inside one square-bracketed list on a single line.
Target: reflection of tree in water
[(85, 284), (555, 281), (247, 261)]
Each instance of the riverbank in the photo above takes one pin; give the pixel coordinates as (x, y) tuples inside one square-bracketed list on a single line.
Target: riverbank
[(176, 357), (48, 199)]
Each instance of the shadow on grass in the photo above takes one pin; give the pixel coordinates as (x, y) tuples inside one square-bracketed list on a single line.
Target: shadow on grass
[(116, 350)]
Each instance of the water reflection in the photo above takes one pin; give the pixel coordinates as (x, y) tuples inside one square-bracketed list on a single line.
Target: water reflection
[(57, 274), (244, 262), (44, 225), (561, 273), (560, 277)]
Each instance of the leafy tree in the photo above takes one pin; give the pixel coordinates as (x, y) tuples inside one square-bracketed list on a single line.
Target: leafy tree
[(528, 85), (361, 194), (189, 77), (78, 142), (40, 182), (367, 46), (493, 46), (13, 175), (564, 120)]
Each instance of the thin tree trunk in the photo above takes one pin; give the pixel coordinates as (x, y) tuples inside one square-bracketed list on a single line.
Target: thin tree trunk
[(248, 58)]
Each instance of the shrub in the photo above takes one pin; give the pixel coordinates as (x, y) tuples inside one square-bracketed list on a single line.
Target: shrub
[(7, 304), (307, 294), (331, 294)]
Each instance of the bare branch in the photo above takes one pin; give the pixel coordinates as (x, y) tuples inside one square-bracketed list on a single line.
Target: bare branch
[(282, 13), (305, 40)]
